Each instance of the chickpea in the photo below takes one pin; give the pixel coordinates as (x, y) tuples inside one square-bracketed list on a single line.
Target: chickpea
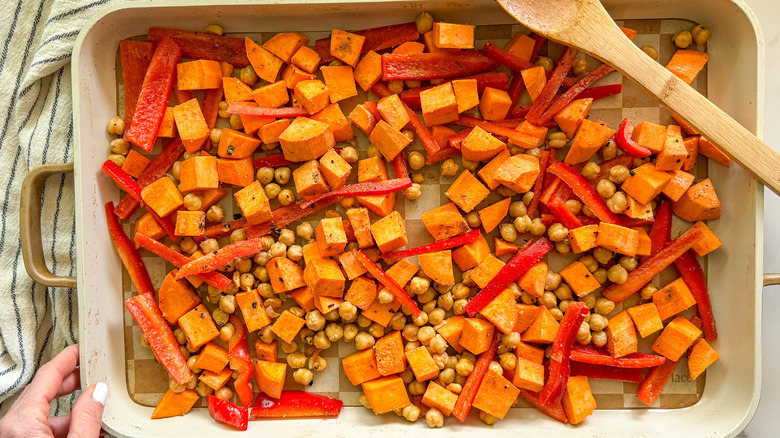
[(537, 227), (364, 341), (396, 86), (193, 202), (563, 247), (528, 197), (617, 274), (261, 274), (587, 211), (416, 160), (618, 174), (347, 311), (591, 170), (428, 308), (117, 159), (238, 235), (413, 192), (235, 122), (116, 126), (272, 190), (410, 332), (282, 175), (305, 231), (556, 313), (286, 197), (303, 376), (617, 203), (563, 292), (599, 338), (508, 232), (464, 367), (434, 418), (447, 376), (318, 363), (228, 303), (629, 263), (315, 321), (226, 332), (545, 62), (488, 418), (445, 301), (648, 291), (398, 321), (701, 35), (244, 265), (605, 188), (449, 168), (589, 300), (522, 223), (557, 140), (248, 75), (411, 413), (437, 344), (598, 322), (296, 360), (590, 262), (650, 51), (683, 39), (321, 340), (548, 300), (416, 388), (265, 175), (418, 178), (603, 255), (600, 275), (505, 191), (557, 232), (385, 297), (215, 213), (495, 367), (609, 151), (424, 22), (422, 319), (472, 218), (215, 135), (376, 330), (119, 146), (436, 316), (459, 307), (579, 66), (574, 206), (350, 332), (220, 317), (349, 154), (278, 249)]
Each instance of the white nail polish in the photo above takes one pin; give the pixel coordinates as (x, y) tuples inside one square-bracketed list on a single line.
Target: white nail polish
[(100, 394)]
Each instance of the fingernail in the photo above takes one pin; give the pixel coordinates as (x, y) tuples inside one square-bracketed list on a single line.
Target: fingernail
[(100, 394)]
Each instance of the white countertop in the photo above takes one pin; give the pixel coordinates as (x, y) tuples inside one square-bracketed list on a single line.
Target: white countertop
[(766, 422)]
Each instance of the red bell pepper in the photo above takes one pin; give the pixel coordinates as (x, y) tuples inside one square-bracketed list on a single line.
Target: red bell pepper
[(661, 231), (491, 127), (277, 160), (375, 188), (441, 245), (456, 140), (155, 171), (515, 90), (597, 356), (630, 222), (514, 268), (549, 219), (654, 381), (222, 256), (441, 155), (539, 41), (377, 39), (544, 162), (553, 410), (597, 93), (283, 216), (627, 144), (426, 138), (693, 275), (506, 58), (547, 95), (238, 355), (563, 214), (136, 56), (294, 404), (127, 252), (399, 166), (159, 335), (223, 229), (178, 259), (122, 178), (389, 283), (651, 267), (584, 191), (473, 381), (411, 96), (253, 109), (572, 93), (606, 372), (153, 99), (205, 45), (560, 365), (228, 413), (427, 66)]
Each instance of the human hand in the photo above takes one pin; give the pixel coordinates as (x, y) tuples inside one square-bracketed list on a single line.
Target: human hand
[(29, 415)]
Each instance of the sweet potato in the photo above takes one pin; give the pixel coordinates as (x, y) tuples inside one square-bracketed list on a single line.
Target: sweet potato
[(346, 46), (543, 330), (393, 111), (285, 275), (270, 377), (502, 311), (265, 63), (479, 145), (361, 224), (687, 63), (270, 132), (199, 173), (173, 404), (494, 104), (253, 124), (618, 239), (361, 367), (363, 119), (673, 299), (579, 278), (272, 95), (253, 203), (148, 226), (701, 357), (572, 115), (307, 59), (216, 381), (252, 309), (135, 164), (409, 48), (164, 198), (439, 105), (362, 292), (698, 203), (486, 270), (198, 327), (488, 171), (312, 94), (646, 183), (692, 148), (621, 335), (493, 214), (583, 238), (285, 44), (176, 298), (707, 243), (445, 221), (712, 152), (306, 139), (644, 246), (529, 374), (422, 364), (578, 401), (167, 126), (438, 266), (535, 79), (471, 254), (304, 298), (340, 81), (518, 172), (676, 338), (650, 135), (339, 125), (529, 136), (673, 153), (466, 94), (287, 326), (503, 247), (590, 137), (389, 350), (292, 76), (451, 329), (466, 192), (386, 394), (534, 279), (678, 184), (324, 278), (190, 223), (436, 396), (646, 319), (235, 144), (267, 352), (476, 335), (192, 127), (199, 75), (390, 232), (521, 45), (369, 70), (495, 395), (331, 238), (453, 36), (235, 90), (529, 352), (212, 357), (237, 172), (389, 140)]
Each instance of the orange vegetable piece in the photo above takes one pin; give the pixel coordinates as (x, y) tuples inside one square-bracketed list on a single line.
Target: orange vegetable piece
[(351, 265), (712, 152), (311, 251), (216, 380), (502, 311), (176, 298), (361, 225), (199, 173), (386, 394), (529, 374), (445, 221), (192, 127), (270, 377), (495, 395), (199, 75), (618, 239), (543, 330), (471, 254), (361, 367), (167, 126), (572, 115), (583, 238), (265, 63), (439, 105), (369, 70), (324, 278), (644, 246), (306, 139), (190, 223), (707, 243), (338, 122), (479, 145), (503, 247), (362, 292), (535, 79), (451, 329), (235, 144), (390, 232), (534, 279), (164, 198), (253, 203), (529, 136), (621, 336), (272, 95), (363, 119), (646, 319), (692, 149), (518, 172), (701, 357), (486, 270), (292, 75), (285, 275), (304, 298), (467, 191), (579, 278), (409, 48), (493, 214), (312, 94), (252, 309), (453, 36), (521, 45), (340, 81), (698, 203), (488, 171), (198, 327), (389, 140), (331, 237), (646, 183), (346, 46), (380, 313), (494, 104), (173, 404), (237, 172), (252, 124), (529, 352), (147, 226), (466, 94), (578, 401), (287, 326), (676, 338), (650, 135), (267, 352), (285, 44), (674, 153), (422, 364), (673, 299), (372, 169), (687, 63), (135, 164), (438, 266), (236, 90), (678, 184), (212, 357), (436, 396), (389, 350), (307, 59), (476, 335), (326, 304), (393, 111), (590, 137)]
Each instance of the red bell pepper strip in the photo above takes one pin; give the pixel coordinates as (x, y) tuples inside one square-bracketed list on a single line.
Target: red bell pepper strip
[(539, 41), (411, 96), (127, 252), (153, 99), (441, 155), (560, 365), (389, 283), (544, 160), (155, 171), (547, 95), (563, 214), (277, 160), (654, 381), (597, 356), (515, 90), (441, 245), (572, 93), (627, 144), (514, 268), (122, 178), (693, 275), (427, 66), (161, 340), (399, 166), (294, 404), (204, 45), (253, 109), (598, 93), (283, 216), (630, 222), (553, 410), (651, 267), (584, 191), (228, 413), (606, 372), (135, 56), (165, 223), (222, 256), (223, 229), (502, 56), (178, 259), (238, 355), (456, 140), (474, 380), (377, 39), (491, 127), (426, 138), (661, 231), (375, 188)]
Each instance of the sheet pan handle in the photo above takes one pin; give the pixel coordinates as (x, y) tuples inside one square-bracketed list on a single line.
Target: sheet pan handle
[(30, 225), (771, 279)]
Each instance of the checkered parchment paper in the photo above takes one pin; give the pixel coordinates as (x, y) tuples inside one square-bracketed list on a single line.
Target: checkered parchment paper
[(147, 380)]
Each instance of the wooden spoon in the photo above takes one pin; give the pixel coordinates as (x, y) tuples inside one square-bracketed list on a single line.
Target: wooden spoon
[(584, 24)]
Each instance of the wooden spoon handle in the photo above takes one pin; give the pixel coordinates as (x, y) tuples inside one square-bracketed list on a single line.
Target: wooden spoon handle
[(741, 145)]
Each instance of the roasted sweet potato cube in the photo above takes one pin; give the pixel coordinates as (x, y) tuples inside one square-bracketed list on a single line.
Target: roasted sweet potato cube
[(422, 364), (436, 396), (331, 238), (712, 152), (502, 311), (579, 278), (346, 46), (309, 181), (529, 352), (488, 171), (439, 106), (361, 225), (503, 247), (190, 223), (529, 374), (287, 326), (216, 380), (270, 377), (445, 222), (494, 104), (147, 226), (199, 173), (236, 90), (578, 401), (673, 153), (521, 45), (493, 214), (646, 319), (544, 328), (304, 298), (380, 313), (265, 63), (254, 203), (534, 279), (198, 75), (692, 147), (135, 164), (324, 278), (267, 352), (338, 122), (471, 254), (535, 79), (173, 404), (176, 298), (495, 395), (285, 44), (650, 135), (236, 144), (285, 275), (583, 238), (687, 63), (386, 394), (442, 135), (253, 124), (390, 141), (673, 299), (362, 292), (361, 367), (167, 127), (389, 350), (453, 36), (390, 232), (645, 183), (252, 309), (381, 205), (292, 75), (518, 172), (192, 127), (369, 70), (306, 139), (529, 136), (451, 329), (479, 145), (644, 246), (198, 327), (572, 115), (486, 270), (438, 266), (466, 94), (212, 357), (676, 338), (678, 184), (590, 137), (636, 210), (701, 357), (307, 59), (476, 335), (269, 133), (363, 119), (621, 336), (698, 203), (340, 81), (709, 241), (618, 239), (163, 197), (409, 48), (236, 172), (326, 304), (272, 95), (526, 315), (313, 94), (372, 169)]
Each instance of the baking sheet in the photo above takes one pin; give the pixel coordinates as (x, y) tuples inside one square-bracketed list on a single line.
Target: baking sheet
[(147, 380)]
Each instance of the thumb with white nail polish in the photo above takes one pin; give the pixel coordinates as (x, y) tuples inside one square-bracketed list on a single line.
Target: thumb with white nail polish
[(87, 413)]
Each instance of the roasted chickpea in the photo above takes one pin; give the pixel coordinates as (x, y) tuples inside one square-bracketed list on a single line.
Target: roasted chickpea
[(116, 126), (424, 23), (449, 168), (545, 62), (591, 170), (416, 160), (215, 213), (683, 39), (413, 192), (650, 51), (349, 154)]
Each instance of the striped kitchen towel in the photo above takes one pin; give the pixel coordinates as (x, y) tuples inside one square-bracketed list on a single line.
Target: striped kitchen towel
[(36, 128)]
